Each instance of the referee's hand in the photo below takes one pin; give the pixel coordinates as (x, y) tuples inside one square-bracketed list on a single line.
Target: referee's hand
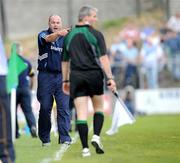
[(111, 85)]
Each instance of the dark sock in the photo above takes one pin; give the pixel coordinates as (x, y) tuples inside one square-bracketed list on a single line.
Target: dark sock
[(83, 132), (98, 122)]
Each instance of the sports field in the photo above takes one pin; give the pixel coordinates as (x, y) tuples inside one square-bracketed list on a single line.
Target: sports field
[(151, 139)]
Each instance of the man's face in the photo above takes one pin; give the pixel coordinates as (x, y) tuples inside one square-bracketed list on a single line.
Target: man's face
[(92, 18), (55, 23)]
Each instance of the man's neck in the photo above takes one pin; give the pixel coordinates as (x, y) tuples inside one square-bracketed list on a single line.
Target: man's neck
[(83, 23)]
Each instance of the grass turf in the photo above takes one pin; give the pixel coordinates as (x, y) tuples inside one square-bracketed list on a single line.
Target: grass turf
[(151, 139)]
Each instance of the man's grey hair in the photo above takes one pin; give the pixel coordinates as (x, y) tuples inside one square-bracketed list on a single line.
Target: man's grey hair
[(86, 11)]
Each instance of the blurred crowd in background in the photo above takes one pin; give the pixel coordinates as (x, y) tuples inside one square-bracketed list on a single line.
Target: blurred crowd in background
[(139, 55)]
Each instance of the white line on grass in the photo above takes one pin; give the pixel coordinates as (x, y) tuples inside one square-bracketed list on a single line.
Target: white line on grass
[(64, 147), (59, 154)]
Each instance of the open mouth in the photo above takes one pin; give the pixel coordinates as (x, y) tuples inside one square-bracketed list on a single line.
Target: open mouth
[(55, 29)]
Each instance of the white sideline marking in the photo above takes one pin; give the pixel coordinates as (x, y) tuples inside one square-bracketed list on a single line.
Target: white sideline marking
[(64, 147), (59, 154)]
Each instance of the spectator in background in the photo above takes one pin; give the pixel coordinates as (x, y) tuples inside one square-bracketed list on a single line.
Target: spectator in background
[(116, 51), (124, 53), (7, 153), (151, 55), (171, 44), (116, 58), (130, 57), (174, 23), (23, 95), (131, 31)]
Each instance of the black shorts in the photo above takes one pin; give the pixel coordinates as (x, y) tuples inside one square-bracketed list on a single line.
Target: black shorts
[(86, 83)]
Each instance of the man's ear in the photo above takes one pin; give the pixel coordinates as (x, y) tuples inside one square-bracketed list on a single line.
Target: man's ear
[(86, 19)]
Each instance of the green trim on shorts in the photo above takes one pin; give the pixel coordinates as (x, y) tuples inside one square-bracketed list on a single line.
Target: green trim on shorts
[(99, 112), (81, 122)]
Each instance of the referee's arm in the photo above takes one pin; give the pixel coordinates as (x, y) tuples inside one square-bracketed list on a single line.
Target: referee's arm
[(104, 60), (106, 66)]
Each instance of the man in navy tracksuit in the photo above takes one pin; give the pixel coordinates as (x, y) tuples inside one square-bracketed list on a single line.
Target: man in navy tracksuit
[(50, 43)]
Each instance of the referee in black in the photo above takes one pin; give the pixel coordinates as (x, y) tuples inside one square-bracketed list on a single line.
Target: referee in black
[(85, 54)]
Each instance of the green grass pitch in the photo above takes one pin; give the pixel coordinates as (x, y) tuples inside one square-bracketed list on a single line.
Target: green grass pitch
[(151, 139)]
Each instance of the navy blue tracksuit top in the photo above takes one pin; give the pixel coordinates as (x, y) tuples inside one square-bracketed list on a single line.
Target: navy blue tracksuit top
[(50, 55)]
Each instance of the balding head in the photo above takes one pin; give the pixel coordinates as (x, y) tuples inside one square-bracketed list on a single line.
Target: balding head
[(55, 23)]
